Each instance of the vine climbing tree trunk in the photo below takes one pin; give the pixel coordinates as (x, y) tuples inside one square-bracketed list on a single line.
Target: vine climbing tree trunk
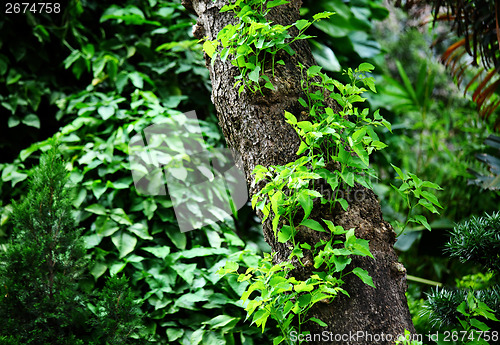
[(254, 127)]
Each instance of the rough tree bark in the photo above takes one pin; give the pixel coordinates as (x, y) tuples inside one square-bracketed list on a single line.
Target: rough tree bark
[(254, 127)]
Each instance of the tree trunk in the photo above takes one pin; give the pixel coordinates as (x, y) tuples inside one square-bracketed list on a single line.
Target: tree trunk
[(254, 127)]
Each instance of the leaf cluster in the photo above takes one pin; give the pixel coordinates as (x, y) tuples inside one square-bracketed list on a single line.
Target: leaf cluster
[(253, 43), (329, 137), (413, 193)]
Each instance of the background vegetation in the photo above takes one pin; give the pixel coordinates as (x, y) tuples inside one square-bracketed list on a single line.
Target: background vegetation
[(98, 72)]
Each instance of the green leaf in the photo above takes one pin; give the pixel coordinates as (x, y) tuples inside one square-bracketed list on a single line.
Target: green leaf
[(210, 47), (428, 205), (178, 238), (306, 202), (220, 321), (362, 248), (116, 268), (160, 252), (348, 177), (98, 188), (174, 334), (291, 119), (431, 197), (312, 224), (13, 121), (302, 148), (231, 266), (313, 70), (422, 220), (96, 208), (92, 241), (285, 233), (275, 3), (124, 242), (254, 75), (185, 271), (431, 185), (276, 201), (364, 276), (136, 79), (318, 321), (341, 259), (303, 286), (399, 172), (323, 15), (98, 269), (366, 67), (31, 120), (301, 24), (269, 86), (343, 203), (119, 216), (106, 112), (278, 340), (363, 156), (479, 325)]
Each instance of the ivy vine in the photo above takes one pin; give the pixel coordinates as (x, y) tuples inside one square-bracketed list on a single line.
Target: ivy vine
[(329, 137)]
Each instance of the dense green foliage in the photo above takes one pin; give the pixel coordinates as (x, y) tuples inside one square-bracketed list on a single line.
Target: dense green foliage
[(131, 74)]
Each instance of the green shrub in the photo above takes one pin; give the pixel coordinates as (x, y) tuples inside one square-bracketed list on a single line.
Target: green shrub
[(41, 299)]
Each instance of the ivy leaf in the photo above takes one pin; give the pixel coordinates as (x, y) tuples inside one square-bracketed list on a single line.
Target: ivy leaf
[(343, 203), (422, 220), (278, 340), (285, 233), (323, 15), (31, 120), (106, 111), (318, 321), (364, 276), (399, 172), (159, 252), (312, 224), (303, 286), (366, 67), (301, 24), (97, 209), (254, 75), (431, 197), (306, 202), (313, 70), (124, 242), (209, 47), (275, 3)]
